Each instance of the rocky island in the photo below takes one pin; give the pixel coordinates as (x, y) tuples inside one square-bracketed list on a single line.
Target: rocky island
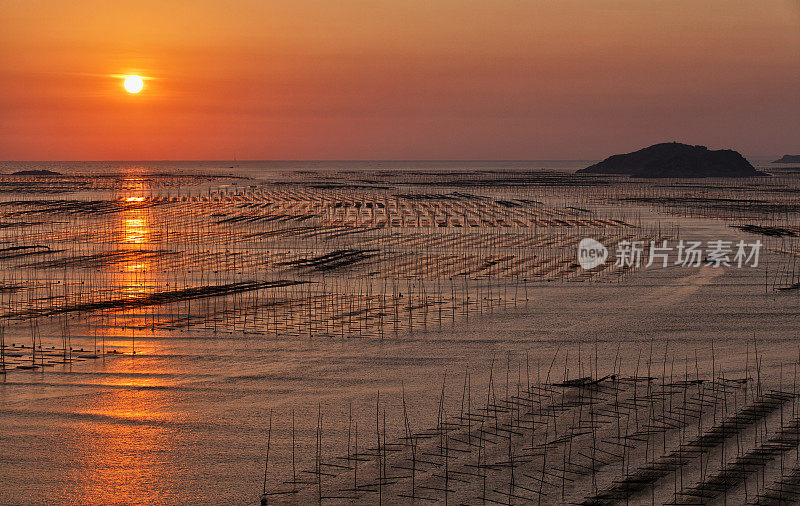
[(788, 159), (676, 160)]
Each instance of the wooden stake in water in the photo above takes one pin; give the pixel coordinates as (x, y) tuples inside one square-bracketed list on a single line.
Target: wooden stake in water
[(266, 464)]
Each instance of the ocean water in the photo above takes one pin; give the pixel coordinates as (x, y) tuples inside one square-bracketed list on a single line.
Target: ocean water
[(185, 419)]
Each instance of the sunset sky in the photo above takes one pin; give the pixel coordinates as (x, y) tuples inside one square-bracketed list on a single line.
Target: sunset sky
[(399, 79)]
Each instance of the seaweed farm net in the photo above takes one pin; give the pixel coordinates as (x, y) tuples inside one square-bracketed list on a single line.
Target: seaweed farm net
[(289, 260), (661, 431)]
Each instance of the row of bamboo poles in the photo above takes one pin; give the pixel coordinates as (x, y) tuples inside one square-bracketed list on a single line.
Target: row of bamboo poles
[(277, 259), (564, 430)]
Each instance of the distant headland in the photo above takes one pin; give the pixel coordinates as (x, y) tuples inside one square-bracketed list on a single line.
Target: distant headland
[(38, 172), (788, 159), (676, 160)]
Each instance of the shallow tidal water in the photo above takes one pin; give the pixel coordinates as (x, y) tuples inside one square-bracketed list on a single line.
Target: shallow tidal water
[(185, 419)]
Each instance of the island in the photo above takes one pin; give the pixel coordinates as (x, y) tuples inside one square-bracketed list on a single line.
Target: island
[(37, 172), (676, 160), (788, 159)]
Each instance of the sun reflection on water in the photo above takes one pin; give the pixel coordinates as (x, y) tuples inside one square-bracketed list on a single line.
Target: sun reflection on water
[(135, 230), (128, 448)]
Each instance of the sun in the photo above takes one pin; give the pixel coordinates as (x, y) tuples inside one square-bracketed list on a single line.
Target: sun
[(133, 84)]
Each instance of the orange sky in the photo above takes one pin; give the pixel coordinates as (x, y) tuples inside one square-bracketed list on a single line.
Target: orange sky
[(400, 79)]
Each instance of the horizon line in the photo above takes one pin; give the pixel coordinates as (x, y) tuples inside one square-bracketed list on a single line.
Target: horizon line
[(321, 160), (295, 160)]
